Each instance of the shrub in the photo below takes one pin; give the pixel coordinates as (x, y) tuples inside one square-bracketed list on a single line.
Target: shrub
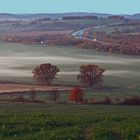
[(133, 100), (107, 101), (77, 95)]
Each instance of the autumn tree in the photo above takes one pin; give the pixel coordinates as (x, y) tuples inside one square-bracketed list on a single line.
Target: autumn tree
[(76, 95), (91, 75), (45, 73)]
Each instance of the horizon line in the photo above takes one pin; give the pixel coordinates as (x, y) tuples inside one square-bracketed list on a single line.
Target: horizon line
[(15, 13)]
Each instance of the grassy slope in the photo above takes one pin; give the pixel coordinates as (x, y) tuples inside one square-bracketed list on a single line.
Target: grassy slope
[(53, 25), (119, 27), (73, 122)]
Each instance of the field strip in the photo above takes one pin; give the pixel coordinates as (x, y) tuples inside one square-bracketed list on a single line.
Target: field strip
[(17, 88)]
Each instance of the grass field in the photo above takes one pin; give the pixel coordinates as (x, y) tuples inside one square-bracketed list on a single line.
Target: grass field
[(119, 27), (60, 25), (69, 122), (122, 72), (48, 121), (38, 33), (63, 120)]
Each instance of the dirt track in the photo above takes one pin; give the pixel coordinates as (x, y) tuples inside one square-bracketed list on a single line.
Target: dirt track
[(17, 88)]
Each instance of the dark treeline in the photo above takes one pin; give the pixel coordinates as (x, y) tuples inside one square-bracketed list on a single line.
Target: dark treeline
[(79, 17), (120, 43)]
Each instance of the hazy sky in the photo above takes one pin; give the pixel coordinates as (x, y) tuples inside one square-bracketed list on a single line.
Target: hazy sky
[(59, 6)]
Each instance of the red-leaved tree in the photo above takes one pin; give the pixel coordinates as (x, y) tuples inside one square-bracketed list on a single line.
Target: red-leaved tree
[(77, 95)]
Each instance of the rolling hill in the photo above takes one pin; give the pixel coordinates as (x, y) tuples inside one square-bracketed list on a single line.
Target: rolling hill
[(8, 16)]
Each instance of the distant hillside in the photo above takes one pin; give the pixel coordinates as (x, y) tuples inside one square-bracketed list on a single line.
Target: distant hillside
[(7, 16), (135, 16)]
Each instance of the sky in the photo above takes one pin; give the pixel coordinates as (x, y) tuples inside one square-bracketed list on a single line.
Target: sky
[(61, 6)]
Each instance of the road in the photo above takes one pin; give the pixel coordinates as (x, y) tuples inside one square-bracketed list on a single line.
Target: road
[(79, 34)]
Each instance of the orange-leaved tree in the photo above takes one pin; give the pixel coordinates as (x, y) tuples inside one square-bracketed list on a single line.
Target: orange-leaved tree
[(76, 95), (45, 73), (91, 75)]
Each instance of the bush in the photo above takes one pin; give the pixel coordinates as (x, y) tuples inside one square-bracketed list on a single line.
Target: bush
[(133, 100), (106, 101), (77, 95)]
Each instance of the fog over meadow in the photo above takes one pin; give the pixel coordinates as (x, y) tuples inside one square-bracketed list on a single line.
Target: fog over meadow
[(18, 61)]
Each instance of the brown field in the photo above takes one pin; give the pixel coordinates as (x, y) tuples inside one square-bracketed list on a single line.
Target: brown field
[(17, 88), (38, 33)]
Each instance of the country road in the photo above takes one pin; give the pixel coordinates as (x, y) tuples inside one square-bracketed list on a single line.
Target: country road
[(79, 34)]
